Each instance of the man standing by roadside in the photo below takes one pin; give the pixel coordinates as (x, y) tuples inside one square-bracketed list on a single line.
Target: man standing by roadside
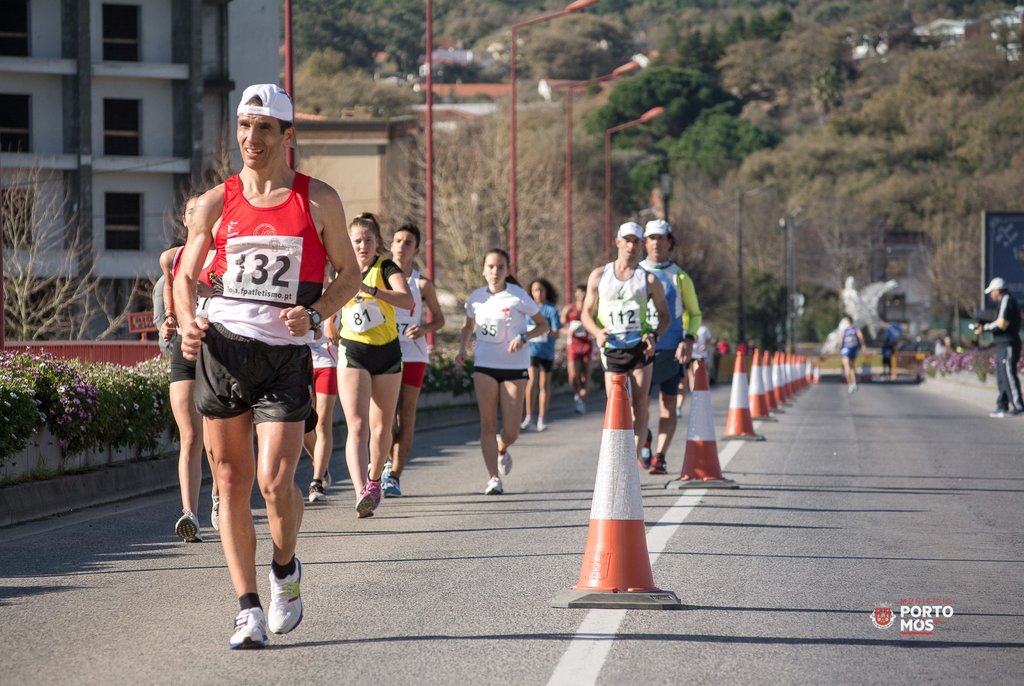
[(674, 349), (1006, 335), (273, 231)]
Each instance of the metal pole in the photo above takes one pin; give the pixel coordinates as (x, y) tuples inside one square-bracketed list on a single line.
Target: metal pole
[(790, 304), (512, 216), (785, 282), (568, 193), (608, 195), (289, 72), (430, 155), (741, 331)]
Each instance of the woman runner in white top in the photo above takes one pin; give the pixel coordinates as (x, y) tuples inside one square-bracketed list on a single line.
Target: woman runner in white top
[(319, 442), (412, 332), (496, 316)]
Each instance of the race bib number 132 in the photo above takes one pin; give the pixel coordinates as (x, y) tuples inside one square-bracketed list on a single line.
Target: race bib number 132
[(263, 268)]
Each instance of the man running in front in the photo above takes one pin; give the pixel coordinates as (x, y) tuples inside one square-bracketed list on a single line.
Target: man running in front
[(273, 230)]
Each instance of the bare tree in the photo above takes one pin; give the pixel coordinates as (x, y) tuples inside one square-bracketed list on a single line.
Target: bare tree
[(51, 290)]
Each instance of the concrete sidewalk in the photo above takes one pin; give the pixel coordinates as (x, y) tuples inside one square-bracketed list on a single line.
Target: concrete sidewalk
[(32, 500)]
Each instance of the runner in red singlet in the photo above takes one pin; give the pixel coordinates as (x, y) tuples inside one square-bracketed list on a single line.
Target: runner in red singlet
[(579, 349), (273, 230)]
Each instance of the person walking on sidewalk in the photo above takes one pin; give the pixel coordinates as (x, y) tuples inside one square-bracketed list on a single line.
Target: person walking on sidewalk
[(496, 316), (542, 354), (274, 230), (182, 384), (673, 352), (579, 349), (412, 336), (370, 362), (1006, 335), (615, 314)]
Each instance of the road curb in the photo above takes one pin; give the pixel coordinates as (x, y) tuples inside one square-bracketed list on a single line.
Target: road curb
[(32, 500)]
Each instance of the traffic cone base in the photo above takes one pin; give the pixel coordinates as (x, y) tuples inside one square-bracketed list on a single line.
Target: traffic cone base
[(681, 484), (587, 600), (616, 568), (743, 437)]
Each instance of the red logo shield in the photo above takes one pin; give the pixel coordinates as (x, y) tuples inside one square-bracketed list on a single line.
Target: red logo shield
[(882, 617)]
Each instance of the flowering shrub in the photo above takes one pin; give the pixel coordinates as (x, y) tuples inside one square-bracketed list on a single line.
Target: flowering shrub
[(21, 416), (444, 376), (66, 401), (134, 408), (84, 405), (980, 361)]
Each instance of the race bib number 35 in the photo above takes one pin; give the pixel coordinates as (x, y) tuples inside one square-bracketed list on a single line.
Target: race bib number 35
[(491, 330), (263, 268)]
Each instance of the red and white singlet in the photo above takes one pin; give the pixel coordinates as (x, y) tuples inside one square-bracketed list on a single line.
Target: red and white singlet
[(269, 258)]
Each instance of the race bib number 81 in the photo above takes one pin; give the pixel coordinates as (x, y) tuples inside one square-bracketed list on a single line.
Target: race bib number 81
[(263, 268)]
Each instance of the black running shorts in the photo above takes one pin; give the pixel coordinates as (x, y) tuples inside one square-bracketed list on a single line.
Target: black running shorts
[(500, 375), (666, 374), (621, 361), (181, 369), (235, 374), (376, 359)]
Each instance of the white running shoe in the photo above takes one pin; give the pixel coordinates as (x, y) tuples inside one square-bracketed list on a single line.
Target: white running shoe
[(187, 527), (525, 424), (316, 491), (215, 513), (285, 601), (541, 424), (327, 479), (504, 463), (250, 630), (494, 487)]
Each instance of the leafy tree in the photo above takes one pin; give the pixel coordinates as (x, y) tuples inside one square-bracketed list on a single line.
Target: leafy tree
[(717, 141), (684, 93), (764, 309), (577, 47)]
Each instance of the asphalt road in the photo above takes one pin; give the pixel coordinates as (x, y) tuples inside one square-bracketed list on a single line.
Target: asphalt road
[(853, 503)]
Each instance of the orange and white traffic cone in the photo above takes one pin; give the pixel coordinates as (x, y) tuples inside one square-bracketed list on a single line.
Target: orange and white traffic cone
[(769, 384), (817, 372), (740, 425), (701, 468), (778, 382), (759, 408), (616, 570)]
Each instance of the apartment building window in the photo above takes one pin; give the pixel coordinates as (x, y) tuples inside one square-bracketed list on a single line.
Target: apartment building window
[(14, 122), (18, 207), (121, 33), (120, 127), (14, 28), (124, 221)]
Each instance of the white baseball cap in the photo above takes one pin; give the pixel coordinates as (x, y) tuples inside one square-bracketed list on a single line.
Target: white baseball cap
[(276, 102), (631, 229), (657, 227), (995, 284)]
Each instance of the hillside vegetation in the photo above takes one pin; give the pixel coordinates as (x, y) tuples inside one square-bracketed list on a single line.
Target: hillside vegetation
[(911, 137)]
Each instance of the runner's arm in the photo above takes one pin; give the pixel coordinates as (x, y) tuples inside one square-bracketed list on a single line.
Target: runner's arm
[(589, 314), (201, 229)]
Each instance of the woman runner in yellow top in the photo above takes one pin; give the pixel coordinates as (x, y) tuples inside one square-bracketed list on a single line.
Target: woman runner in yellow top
[(370, 361)]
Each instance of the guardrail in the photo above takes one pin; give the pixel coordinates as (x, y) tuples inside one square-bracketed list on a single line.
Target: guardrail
[(125, 353)]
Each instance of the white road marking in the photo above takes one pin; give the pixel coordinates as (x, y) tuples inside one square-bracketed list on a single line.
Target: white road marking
[(584, 658)]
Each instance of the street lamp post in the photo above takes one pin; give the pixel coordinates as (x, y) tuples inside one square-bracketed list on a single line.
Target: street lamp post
[(289, 70), (647, 116), (570, 90), (430, 154), (513, 219)]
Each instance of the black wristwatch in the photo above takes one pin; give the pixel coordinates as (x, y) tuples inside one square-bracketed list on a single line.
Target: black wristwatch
[(314, 319)]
